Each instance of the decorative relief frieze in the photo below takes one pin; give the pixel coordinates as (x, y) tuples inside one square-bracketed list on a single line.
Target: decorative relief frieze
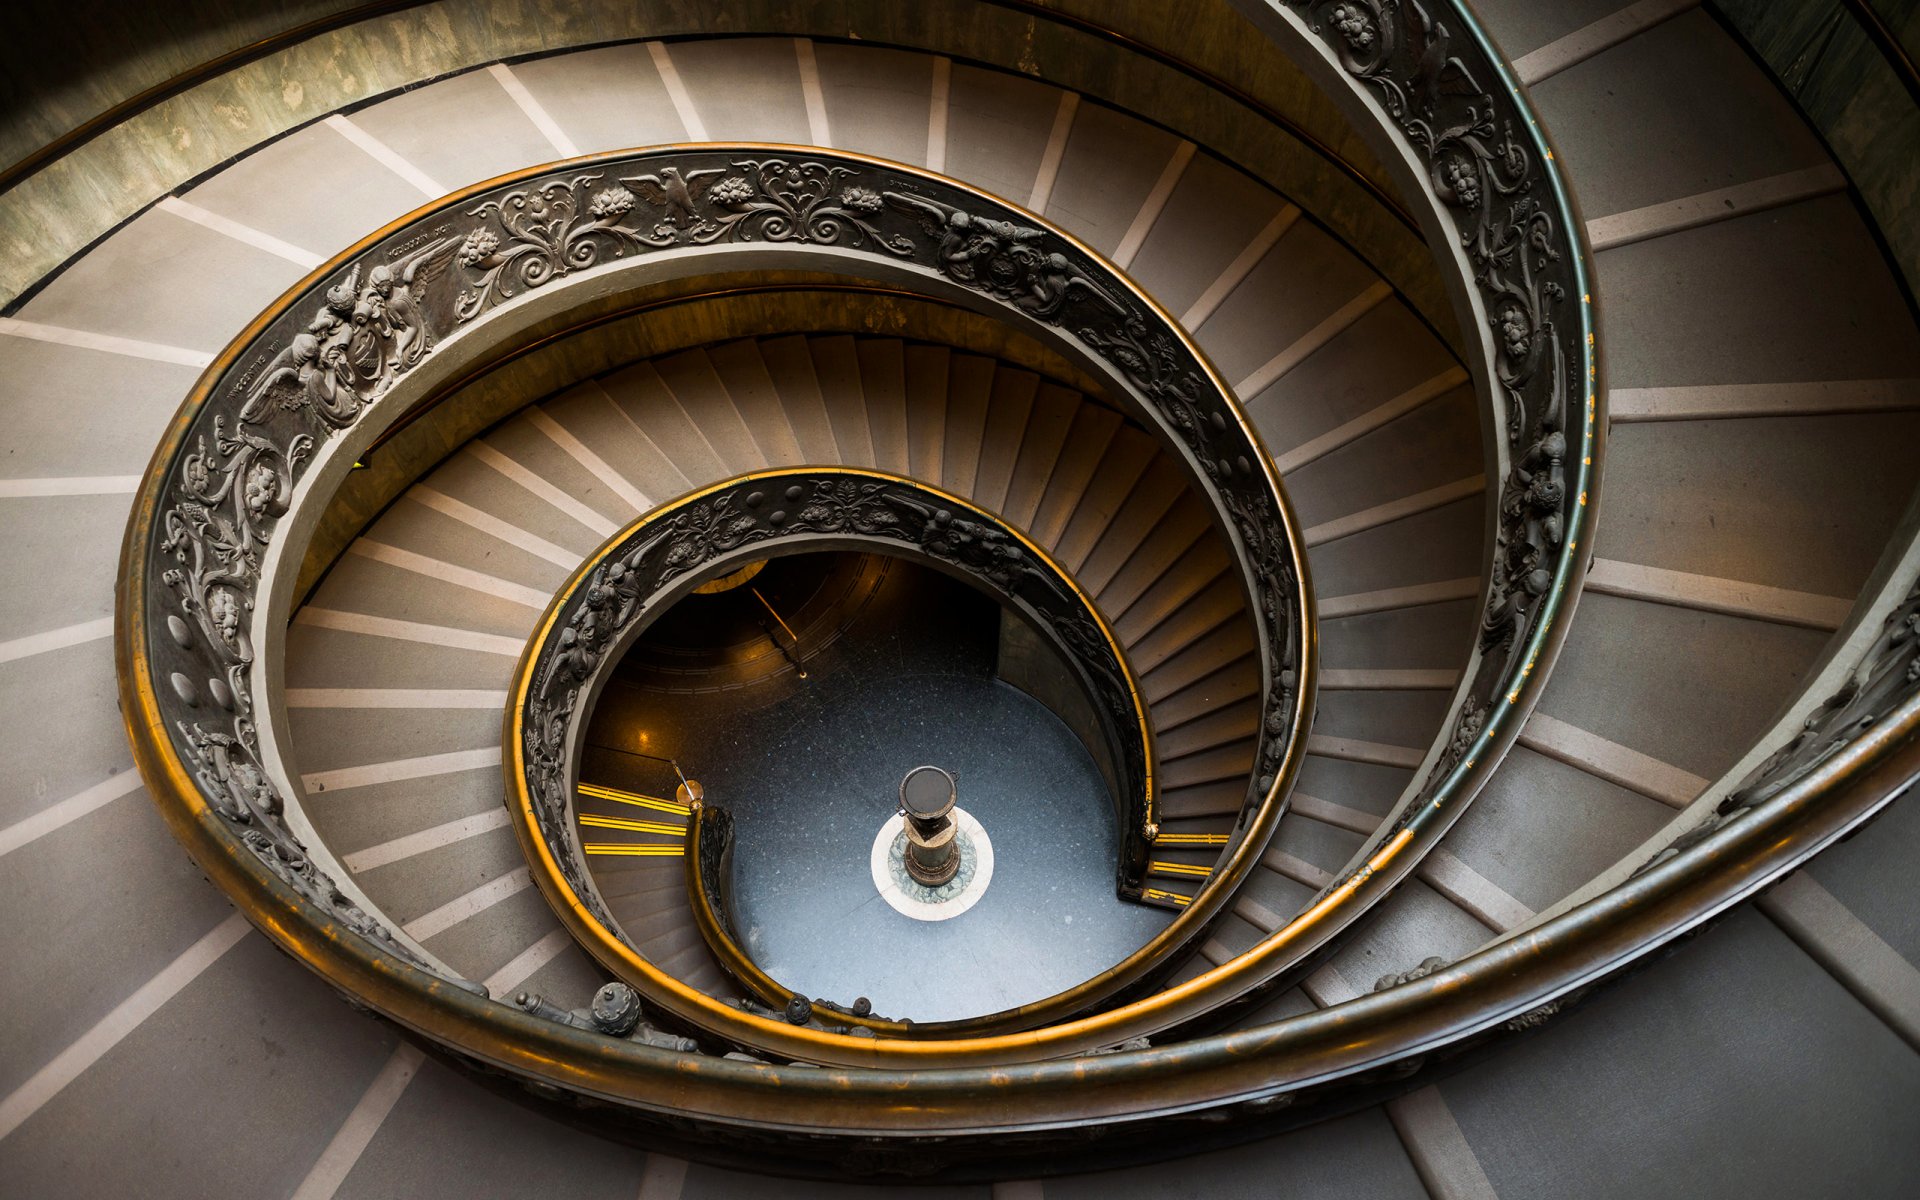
[(1439, 90), (315, 370)]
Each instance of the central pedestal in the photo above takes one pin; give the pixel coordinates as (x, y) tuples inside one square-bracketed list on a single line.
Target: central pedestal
[(972, 860), (927, 797)]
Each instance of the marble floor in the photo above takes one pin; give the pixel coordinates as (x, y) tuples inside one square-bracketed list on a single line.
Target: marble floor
[(811, 769)]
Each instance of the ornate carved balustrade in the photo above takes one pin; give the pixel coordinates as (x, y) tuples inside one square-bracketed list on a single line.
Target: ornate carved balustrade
[(1444, 107)]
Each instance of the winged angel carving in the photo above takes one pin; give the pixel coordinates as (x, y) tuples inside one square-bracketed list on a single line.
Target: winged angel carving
[(226, 495), (1008, 261), (359, 341)]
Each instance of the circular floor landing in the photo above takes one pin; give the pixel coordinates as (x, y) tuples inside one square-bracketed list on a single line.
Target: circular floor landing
[(805, 902)]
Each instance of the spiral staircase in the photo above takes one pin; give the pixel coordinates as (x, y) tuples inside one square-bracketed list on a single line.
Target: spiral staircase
[(1496, 928)]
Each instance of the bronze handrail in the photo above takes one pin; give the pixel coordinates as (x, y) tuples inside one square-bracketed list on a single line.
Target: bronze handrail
[(709, 863), (803, 1116), (1542, 518), (814, 1115)]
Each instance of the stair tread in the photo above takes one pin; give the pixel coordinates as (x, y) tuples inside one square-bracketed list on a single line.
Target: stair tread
[(1199, 568), (1185, 523), (696, 387), (1048, 426), (1233, 722), (1088, 439), (837, 366), (649, 403), (742, 373), (1220, 603), (969, 391), (927, 375), (590, 414), (519, 453), (1009, 407), (1233, 682), (883, 383), (1127, 459), (789, 365), (1144, 512), (1202, 657)]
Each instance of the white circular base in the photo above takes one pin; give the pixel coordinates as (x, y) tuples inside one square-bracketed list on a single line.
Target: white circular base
[(912, 906)]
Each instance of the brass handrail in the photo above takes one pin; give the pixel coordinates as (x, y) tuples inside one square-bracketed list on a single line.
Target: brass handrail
[(1539, 518), (803, 1115), (708, 860)]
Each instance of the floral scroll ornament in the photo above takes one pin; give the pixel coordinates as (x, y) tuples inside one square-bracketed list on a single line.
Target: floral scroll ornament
[(225, 497), (1481, 169), (770, 200), (545, 232), (538, 234), (359, 332)]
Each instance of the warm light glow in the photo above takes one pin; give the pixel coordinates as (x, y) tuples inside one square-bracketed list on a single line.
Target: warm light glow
[(596, 821), (634, 798), (629, 850), (731, 579)]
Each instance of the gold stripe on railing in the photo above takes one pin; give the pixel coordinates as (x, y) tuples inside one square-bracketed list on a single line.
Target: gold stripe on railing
[(596, 821), (634, 798), (634, 850)]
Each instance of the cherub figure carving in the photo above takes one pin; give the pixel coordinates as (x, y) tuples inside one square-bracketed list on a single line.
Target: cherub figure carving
[(1007, 260), (357, 344)]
